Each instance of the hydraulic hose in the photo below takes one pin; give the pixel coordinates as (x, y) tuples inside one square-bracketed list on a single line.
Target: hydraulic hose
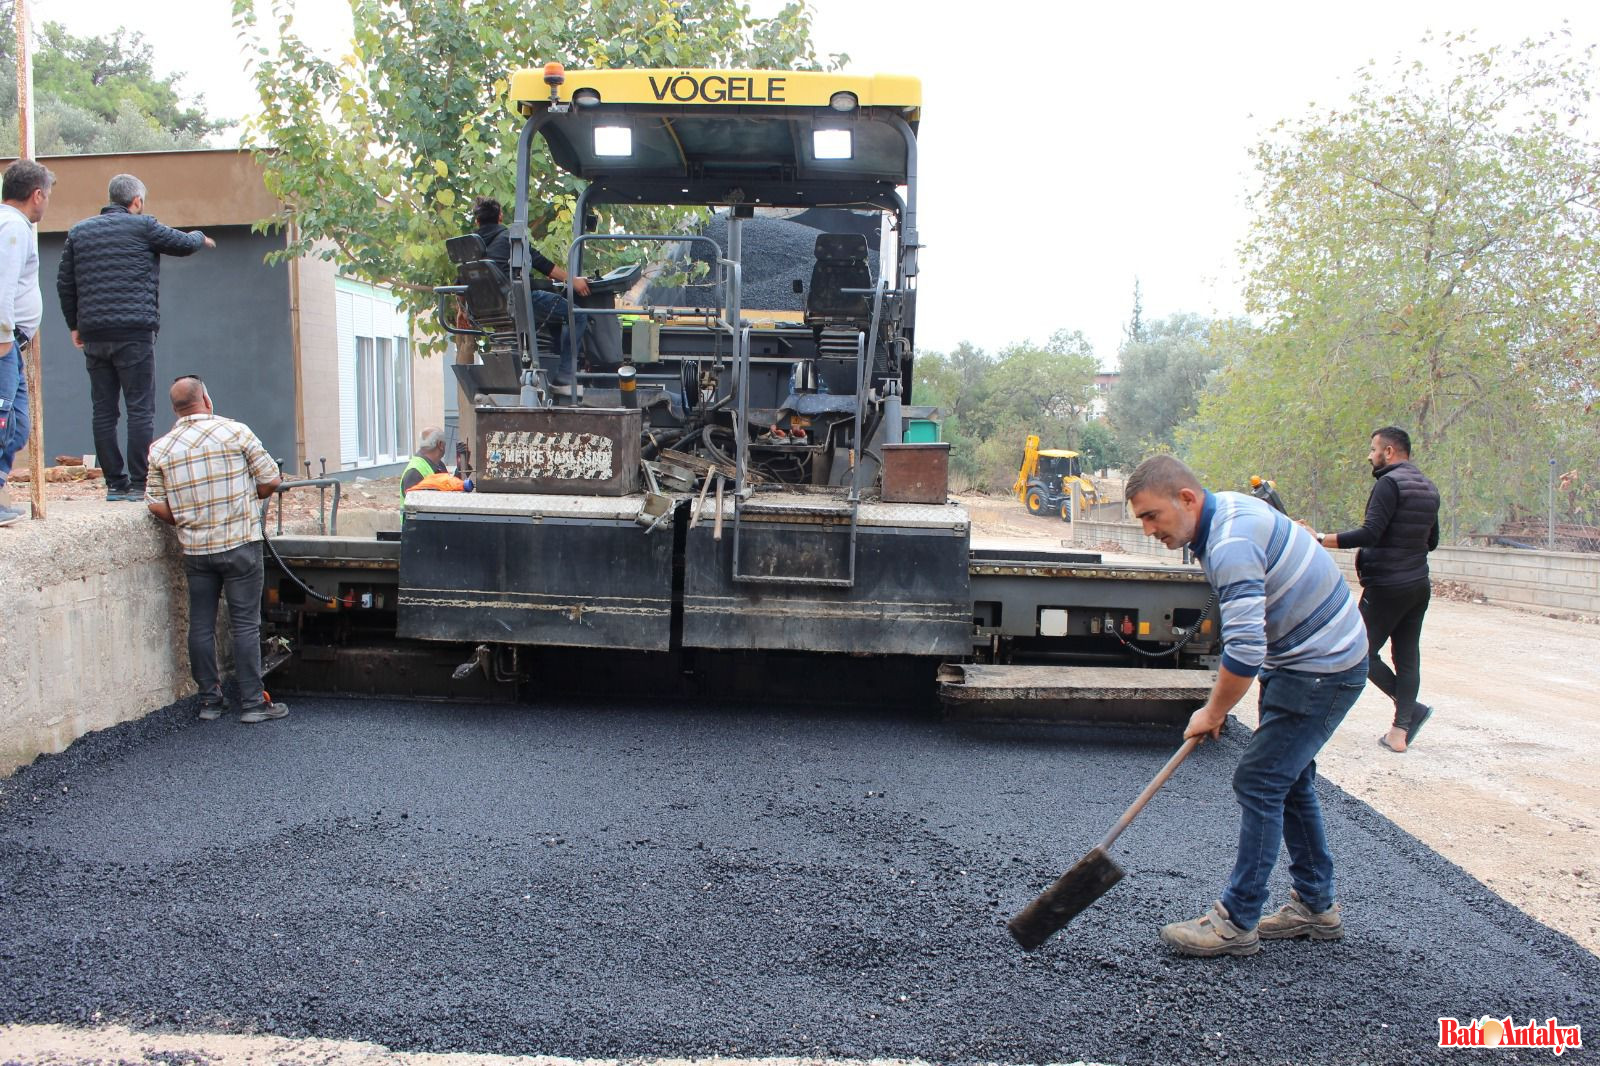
[(1176, 648), (307, 589)]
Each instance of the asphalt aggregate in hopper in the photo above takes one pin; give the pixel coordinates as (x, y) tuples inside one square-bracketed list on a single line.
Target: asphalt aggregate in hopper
[(624, 881)]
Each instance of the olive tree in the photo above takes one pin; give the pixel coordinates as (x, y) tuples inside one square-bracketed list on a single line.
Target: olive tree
[(1425, 255)]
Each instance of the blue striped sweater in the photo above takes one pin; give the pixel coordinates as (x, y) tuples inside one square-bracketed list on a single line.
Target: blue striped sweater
[(1284, 603)]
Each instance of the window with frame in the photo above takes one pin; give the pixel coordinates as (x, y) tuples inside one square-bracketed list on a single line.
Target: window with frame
[(374, 377)]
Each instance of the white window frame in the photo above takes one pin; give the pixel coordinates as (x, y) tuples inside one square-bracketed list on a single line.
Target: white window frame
[(375, 376)]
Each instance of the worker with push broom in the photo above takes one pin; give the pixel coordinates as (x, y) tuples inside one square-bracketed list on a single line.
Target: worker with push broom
[(1289, 621)]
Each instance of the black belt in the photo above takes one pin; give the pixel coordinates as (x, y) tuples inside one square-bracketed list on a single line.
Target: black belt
[(21, 338)]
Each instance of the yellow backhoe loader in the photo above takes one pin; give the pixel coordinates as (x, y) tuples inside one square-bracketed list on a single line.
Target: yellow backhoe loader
[(1044, 484)]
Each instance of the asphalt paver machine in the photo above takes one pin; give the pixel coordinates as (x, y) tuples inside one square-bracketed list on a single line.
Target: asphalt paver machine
[(714, 481), (716, 472)]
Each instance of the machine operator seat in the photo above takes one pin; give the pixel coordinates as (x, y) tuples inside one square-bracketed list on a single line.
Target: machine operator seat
[(841, 264), (488, 297)]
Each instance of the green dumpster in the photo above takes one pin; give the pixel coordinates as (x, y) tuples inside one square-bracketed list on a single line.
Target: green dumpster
[(921, 431)]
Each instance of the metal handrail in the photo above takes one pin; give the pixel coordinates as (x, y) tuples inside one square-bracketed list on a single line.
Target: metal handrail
[(326, 526), (442, 312)]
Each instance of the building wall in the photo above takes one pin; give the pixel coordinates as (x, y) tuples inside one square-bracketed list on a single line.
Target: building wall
[(428, 392), (319, 349), (224, 316)]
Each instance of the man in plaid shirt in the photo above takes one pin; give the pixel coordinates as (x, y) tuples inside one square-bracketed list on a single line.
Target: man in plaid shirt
[(206, 478)]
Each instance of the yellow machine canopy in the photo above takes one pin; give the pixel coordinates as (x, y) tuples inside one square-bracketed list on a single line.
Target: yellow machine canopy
[(706, 129)]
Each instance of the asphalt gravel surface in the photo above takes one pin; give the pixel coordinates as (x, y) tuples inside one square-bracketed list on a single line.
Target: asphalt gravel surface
[(629, 881)]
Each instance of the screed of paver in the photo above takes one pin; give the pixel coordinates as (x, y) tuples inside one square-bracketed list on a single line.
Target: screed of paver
[(56, 1045)]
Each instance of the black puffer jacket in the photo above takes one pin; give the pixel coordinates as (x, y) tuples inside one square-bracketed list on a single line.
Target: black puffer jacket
[(1401, 528), (111, 271)]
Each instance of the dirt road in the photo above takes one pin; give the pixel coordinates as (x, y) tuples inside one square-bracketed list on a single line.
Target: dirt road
[(1502, 782)]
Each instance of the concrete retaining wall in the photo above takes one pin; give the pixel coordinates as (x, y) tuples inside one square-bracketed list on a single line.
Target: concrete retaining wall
[(93, 617), (1553, 581)]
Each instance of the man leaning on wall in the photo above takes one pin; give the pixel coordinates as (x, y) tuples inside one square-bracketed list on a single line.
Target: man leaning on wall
[(206, 478), (109, 284)]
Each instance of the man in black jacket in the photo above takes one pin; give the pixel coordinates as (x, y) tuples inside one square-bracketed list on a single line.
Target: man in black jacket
[(547, 306), (1401, 528), (108, 284)]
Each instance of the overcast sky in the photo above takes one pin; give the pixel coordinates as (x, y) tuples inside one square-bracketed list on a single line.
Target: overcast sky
[(1066, 148)]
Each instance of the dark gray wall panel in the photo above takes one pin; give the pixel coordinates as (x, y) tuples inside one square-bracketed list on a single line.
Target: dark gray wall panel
[(224, 316)]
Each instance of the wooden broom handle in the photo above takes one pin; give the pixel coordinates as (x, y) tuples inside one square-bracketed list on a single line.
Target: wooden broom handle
[(1149, 790)]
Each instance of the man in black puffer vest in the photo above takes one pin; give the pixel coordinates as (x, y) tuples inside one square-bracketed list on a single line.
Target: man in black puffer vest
[(1401, 528), (109, 289)]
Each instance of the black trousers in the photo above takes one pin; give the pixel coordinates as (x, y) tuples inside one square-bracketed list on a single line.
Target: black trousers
[(123, 370), (1394, 617)]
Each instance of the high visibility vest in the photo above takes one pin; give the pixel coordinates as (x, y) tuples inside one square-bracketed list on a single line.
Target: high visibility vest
[(421, 466)]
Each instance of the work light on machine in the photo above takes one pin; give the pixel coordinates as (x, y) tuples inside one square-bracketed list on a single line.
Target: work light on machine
[(613, 141), (831, 144)]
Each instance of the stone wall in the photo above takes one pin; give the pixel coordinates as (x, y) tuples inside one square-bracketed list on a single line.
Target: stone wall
[(93, 617), (1550, 581)]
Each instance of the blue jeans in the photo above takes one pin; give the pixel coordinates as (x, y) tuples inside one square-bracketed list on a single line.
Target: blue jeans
[(14, 420), (1276, 783), (548, 308)]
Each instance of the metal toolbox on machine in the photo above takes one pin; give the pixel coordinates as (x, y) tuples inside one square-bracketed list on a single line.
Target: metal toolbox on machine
[(581, 451)]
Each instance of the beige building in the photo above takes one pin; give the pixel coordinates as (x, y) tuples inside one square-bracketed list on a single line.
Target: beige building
[(322, 366)]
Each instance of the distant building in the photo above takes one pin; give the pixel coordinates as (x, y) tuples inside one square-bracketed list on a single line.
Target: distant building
[(1102, 392), (321, 366)]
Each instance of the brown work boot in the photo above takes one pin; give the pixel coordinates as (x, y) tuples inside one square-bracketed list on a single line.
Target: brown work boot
[(1296, 919), (1213, 933)]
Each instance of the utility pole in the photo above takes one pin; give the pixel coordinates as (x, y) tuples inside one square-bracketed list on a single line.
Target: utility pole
[(31, 365)]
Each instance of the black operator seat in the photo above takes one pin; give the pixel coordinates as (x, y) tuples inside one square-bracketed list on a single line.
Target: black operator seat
[(488, 290), (841, 264)]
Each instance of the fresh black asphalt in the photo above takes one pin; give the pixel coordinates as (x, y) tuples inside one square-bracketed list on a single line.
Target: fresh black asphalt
[(630, 881)]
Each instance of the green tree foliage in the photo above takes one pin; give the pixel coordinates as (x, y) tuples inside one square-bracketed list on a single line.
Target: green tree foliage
[(98, 94), (955, 383), (379, 152), (1134, 330), (1163, 371), (1100, 447), (1426, 256), (989, 405)]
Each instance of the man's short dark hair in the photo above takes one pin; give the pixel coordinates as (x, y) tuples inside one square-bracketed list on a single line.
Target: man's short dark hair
[(1395, 437), (485, 212), (1163, 475), (24, 178)]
